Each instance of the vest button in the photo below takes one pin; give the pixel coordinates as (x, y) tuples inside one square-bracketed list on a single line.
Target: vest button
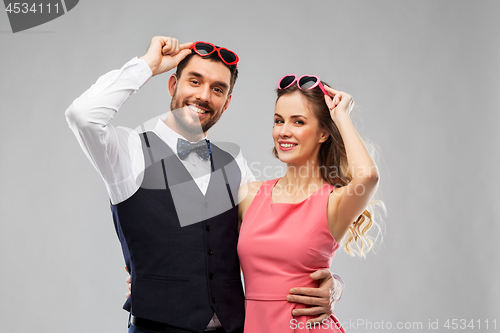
[(208, 228), (213, 299), (210, 252), (211, 276), (207, 205)]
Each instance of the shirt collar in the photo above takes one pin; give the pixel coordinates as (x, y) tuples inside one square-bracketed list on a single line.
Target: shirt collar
[(168, 135)]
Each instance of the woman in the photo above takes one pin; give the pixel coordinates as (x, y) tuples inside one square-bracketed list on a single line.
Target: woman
[(293, 225)]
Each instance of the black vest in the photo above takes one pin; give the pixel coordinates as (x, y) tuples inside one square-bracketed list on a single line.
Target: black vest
[(180, 245)]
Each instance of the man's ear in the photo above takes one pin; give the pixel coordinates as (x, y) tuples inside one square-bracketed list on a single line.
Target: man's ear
[(172, 83), (324, 136), (226, 104)]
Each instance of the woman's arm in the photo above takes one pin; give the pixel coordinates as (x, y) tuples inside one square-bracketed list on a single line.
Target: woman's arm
[(246, 194), (347, 203)]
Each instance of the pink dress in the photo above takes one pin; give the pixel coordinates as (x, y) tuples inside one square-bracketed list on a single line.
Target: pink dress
[(279, 245)]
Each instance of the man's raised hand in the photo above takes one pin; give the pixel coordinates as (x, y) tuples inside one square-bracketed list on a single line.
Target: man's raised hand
[(165, 53)]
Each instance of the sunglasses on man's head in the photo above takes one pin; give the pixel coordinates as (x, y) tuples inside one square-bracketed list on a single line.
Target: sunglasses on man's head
[(204, 49), (305, 82)]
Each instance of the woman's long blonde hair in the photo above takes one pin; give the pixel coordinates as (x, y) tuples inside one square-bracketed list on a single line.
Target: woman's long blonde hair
[(334, 169)]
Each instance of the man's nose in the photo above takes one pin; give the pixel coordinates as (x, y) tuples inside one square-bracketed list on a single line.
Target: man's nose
[(203, 93)]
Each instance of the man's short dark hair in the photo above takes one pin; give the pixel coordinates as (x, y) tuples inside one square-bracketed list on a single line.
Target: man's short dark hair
[(213, 57)]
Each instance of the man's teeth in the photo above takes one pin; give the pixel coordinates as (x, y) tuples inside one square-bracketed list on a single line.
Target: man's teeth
[(195, 109), (287, 145)]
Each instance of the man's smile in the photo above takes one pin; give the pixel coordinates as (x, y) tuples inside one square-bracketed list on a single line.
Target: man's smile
[(197, 110)]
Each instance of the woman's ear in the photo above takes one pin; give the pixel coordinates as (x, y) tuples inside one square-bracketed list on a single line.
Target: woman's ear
[(324, 136)]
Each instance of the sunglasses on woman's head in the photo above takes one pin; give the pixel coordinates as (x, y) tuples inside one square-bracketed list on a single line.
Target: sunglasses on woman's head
[(305, 82), (204, 49)]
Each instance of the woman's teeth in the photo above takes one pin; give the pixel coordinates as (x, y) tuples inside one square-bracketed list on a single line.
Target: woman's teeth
[(287, 145)]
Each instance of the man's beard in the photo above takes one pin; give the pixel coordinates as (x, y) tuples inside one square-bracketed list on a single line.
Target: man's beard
[(190, 123)]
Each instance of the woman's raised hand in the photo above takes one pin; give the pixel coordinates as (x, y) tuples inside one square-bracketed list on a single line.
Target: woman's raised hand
[(338, 101)]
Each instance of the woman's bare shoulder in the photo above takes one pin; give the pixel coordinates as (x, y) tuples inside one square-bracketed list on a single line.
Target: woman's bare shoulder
[(246, 195), (249, 190)]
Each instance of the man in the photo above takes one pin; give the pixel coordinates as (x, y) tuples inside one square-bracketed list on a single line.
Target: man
[(174, 203)]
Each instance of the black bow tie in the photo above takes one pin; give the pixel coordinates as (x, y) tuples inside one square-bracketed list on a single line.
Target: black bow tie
[(202, 148)]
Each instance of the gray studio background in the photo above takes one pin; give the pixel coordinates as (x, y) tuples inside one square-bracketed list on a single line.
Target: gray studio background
[(425, 77)]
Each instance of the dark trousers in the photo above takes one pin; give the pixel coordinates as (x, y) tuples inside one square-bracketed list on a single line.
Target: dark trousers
[(135, 329)]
